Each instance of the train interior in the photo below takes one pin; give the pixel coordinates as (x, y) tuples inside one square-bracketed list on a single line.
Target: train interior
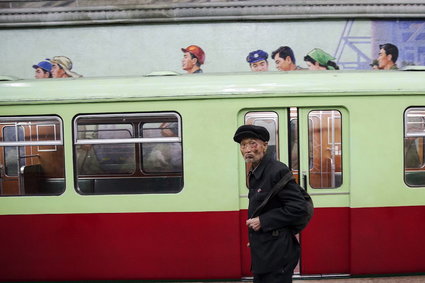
[(32, 156)]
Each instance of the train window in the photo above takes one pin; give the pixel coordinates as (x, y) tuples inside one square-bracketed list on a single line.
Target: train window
[(325, 149), (269, 120), (32, 156), (128, 153), (414, 146)]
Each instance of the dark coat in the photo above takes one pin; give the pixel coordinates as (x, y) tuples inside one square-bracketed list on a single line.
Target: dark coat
[(274, 247)]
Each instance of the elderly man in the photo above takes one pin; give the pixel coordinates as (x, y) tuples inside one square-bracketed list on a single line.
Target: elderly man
[(61, 68), (388, 54), (42, 70), (193, 58), (258, 61), (274, 248)]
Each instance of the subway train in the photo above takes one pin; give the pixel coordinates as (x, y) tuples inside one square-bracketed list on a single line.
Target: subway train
[(139, 178)]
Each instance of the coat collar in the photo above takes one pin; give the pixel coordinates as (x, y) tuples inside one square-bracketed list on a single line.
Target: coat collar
[(258, 171)]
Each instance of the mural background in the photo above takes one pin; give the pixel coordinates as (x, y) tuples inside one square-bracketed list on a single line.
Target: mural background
[(123, 50)]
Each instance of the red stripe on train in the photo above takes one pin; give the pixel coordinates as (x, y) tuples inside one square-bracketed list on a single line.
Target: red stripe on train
[(120, 246), (202, 245), (365, 241)]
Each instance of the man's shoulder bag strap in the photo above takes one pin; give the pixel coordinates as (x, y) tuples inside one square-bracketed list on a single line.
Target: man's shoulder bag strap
[(275, 190)]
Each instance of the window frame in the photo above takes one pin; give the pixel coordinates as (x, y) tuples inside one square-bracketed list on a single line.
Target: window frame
[(407, 135), (137, 120), (310, 141), (58, 140), (272, 115)]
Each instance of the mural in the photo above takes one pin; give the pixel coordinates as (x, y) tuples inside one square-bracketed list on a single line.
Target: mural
[(139, 49), (356, 44), (408, 36)]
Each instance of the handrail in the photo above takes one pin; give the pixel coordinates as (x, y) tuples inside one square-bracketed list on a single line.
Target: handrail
[(123, 141)]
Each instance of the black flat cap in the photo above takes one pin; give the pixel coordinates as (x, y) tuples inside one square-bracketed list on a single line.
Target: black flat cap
[(251, 131)]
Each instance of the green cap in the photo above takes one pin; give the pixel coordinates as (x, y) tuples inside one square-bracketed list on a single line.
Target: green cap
[(321, 57), (374, 63)]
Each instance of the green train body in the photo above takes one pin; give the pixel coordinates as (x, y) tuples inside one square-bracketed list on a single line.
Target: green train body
[(139, 178)]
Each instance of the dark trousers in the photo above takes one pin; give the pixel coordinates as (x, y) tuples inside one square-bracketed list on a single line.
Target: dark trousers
[(274, 277)]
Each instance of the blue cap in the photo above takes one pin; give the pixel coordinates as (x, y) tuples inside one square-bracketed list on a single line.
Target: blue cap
[(47, 66), (256, 56)]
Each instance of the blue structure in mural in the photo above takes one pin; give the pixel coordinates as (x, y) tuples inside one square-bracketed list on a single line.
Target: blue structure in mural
[(347, 41), (408, 36)]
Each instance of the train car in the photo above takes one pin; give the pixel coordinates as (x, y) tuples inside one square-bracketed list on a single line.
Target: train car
[(139, 178)]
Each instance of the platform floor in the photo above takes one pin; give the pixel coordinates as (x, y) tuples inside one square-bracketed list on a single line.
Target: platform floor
[(395, 279)]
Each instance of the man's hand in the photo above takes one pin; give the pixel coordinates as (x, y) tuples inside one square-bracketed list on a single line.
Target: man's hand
[(254, 223)]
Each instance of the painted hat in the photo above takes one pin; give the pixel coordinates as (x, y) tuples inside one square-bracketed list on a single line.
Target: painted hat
[(66, 64), (45, 65), (320, 56), (256, 56), (197, 52)]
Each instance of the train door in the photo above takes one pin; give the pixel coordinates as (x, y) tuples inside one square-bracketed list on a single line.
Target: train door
[(322, 137), (275, 121), (311, 141)]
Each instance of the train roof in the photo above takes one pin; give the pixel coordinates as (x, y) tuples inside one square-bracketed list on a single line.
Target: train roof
[(170, 86)]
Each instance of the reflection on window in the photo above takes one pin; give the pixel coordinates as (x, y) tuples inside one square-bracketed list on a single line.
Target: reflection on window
[(128, 153), (161, 157), (269, 120), (414, 145), (105, 158), (12, 160), (325, 149), (32, 153)]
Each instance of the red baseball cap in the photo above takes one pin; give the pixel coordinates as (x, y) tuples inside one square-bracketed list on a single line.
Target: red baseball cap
[(197, 52)]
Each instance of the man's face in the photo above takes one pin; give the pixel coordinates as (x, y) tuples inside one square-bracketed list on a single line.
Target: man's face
[(40, 74), (260, 66), (57, 72), (384, 59), (188, 62), (282, 64), (253, 150)]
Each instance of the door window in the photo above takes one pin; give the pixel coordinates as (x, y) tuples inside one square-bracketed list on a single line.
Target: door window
[(325, 149), (414, 146), (268, 120)]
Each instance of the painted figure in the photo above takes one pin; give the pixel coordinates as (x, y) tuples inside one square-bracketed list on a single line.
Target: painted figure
[(43, 70), (61, 67), (317, 60), (274, 248), (374, 65), (258, 61), (388, 54), (193, 58), (284, 59)]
